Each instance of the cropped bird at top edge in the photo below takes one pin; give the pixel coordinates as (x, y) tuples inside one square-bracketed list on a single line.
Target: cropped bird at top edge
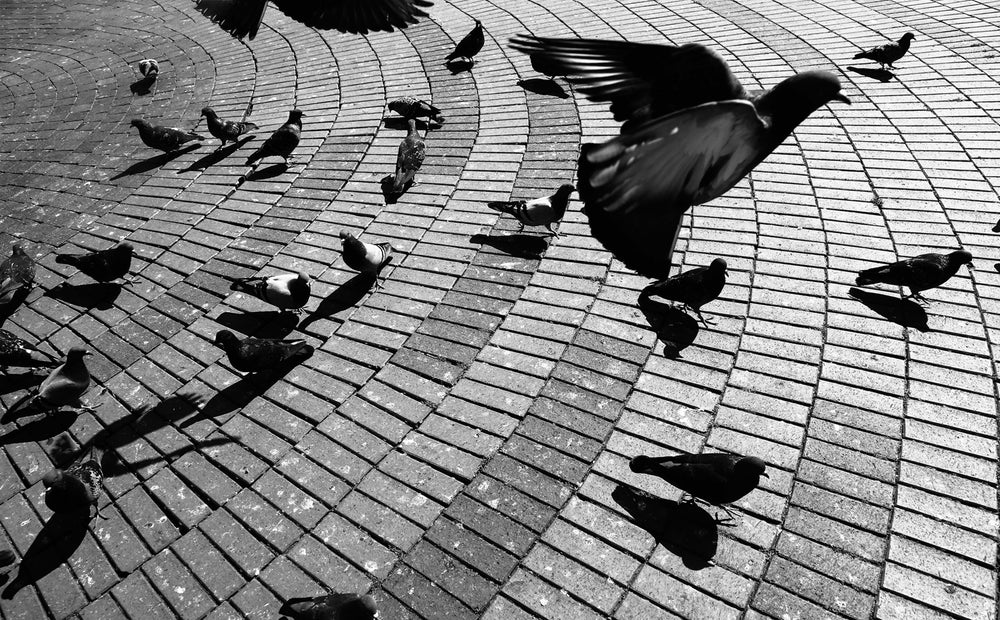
[(690, 133), (242, 18), (888, 53), (919, 273)]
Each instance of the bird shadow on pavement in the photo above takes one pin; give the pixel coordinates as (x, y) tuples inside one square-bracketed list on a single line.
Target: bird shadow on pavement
[(900, 311), (93, 296), (45, 427), (267, 172), (153, 162), (882, 75), (143, 85), (215, 156), (398, 122), (241, 393), (54, 545), (345, 296), (673, 327), (15, 302), (263, 324), (20, 381), (683, 528), (546, 87), (516, 244)]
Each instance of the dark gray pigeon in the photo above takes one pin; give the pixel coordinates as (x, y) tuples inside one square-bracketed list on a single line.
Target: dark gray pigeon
[(411, 107), (888, 53), (331, 607), (64, 387), (469, 46), (165, 139), (260, 354), (368, 258), (919, 273), (409, 158), (690, 133), (717, 479), (544, 211), (288, 291), (76, 489), (102, 265), (18, 352), (693, 288), (17, 276), (227, 131), (283, 141)]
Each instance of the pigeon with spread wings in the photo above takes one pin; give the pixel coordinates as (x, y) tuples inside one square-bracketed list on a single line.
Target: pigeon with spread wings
[(690, 133), (242, 18)]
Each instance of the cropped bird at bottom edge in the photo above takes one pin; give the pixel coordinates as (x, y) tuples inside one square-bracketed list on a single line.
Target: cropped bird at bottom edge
[(919, 273)]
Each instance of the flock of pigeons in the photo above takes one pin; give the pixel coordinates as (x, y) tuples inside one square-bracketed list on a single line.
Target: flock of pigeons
[(690, 132)]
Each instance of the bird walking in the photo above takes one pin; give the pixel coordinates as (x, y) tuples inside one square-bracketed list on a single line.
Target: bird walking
[(282, 142), (888, 53), (226, 131), (469, 46), (717, 479), (919, 273), (162, 138), (17, 276), (64, 387), (148, 67), (102, 265), (368, 258), (409, 158), (260, 354), (544, 211), (331, 607), (693, 288), (690, 132), (18, 352), (287, 291), (76, 489), (411, 107)]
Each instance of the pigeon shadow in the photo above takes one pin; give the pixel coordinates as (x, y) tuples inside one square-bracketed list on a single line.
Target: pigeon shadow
[(882, 75), (517, 244), (9, 308), (263, 324), (269, 172), (93, 296), (142, 85), (216, 156), (459, 65), (241, 393), (55, 544), (347, 295), (684, 529), (20, 381), (154, 162), (398, 122), (389, 193), (546, 87), (675, 328), (45, 427), (902, 312)]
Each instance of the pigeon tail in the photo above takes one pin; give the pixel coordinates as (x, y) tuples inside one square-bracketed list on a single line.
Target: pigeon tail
[(505, 207), (402, 179), (869, 276)]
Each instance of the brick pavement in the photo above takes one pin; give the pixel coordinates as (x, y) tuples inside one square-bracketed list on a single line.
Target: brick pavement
[(457, 441)]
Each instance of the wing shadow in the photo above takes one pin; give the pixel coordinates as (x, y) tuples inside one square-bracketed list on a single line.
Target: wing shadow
[(684, 529), (882, 75), (93, 296), (45, 427), (345, 296), (517, 244), (154, 162), (55, 544), (546, 87), (21, 381), (673, 327), (903, 312), (216, 156)]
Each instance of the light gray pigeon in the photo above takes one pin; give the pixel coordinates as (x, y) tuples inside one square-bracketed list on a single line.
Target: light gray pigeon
[(227, 131), (64, 387), (368, 258), (288, 291), (544, 211), (919, 273)]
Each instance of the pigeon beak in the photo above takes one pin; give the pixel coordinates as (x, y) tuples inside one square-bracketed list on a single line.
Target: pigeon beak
[(969, 265), (842, 98), (766, 476)]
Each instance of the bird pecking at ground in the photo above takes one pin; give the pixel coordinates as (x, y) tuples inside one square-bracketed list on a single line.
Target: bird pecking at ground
[(76, 489), (411, 107)]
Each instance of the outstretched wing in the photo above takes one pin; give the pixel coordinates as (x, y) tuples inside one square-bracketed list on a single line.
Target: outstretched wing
[(355, 16), (239, 18), (641, 81)]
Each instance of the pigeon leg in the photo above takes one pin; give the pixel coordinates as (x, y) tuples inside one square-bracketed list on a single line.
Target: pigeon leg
[(917, 296), (549, 227), (705, 322)]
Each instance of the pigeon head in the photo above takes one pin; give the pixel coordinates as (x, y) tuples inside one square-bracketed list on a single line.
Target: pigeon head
[(719, 264), (362, 608), (209, 112), (345, 235), (125, 247), (640, 464), (961, 257), (138, 122), (295, 116), (53, 478), (225, 338), (398, 106), (566, 189), (18, 249), (908, 37), (76, 354), (750, 466), (304, 277), (795, 98)]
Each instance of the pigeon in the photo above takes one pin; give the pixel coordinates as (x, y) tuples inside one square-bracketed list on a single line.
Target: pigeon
[(331, 607), (288, 291), (920, 273), (410, 107), (544, 211), (227, 131), (102, 265), (283, 141), (148, 67), (888, 53), (717, 479), (693, 288), (64, 387), (368, 258), (259, 354), (690, 133), (77, 488), (468, 47), (241, 18), (165, 139), (18, 352), (409, 158), (17, 276)]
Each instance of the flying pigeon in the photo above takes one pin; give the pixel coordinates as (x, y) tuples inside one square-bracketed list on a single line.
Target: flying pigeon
[(410, 107), (469, 46), (331, 607), (691, 132), (227, 131), (148, 67), (77, 488), (102, 265), (18, 352), (920, 273), (17, 276), (888, 53), (241, 18), (283, 141), (165, 139), (693, 288), (260, 354), (544, 211), (288, 291), (717, 479), (368, 258), (409, 158), (64, 387)]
